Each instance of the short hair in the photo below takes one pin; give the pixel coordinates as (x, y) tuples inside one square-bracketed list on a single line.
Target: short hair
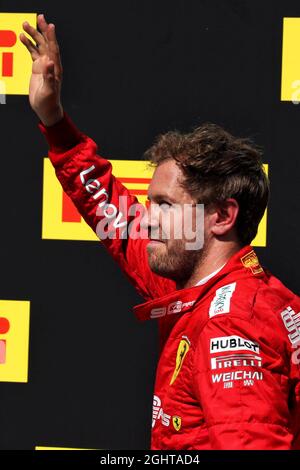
[(217, 166)]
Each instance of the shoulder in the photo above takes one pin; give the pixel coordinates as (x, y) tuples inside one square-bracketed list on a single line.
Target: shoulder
[(254, 309), (249, 298)]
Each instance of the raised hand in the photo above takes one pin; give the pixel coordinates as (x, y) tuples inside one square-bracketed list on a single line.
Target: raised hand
[(46, 78)]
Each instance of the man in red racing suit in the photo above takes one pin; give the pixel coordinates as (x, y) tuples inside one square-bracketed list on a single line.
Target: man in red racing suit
[(228, 373)]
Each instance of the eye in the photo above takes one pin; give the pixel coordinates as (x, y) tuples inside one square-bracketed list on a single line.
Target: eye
[(164, 205)]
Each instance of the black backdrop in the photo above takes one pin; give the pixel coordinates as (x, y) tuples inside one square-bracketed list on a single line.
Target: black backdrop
[(132, 69)]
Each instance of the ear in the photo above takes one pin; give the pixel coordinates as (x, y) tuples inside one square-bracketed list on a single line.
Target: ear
[(224, 217)]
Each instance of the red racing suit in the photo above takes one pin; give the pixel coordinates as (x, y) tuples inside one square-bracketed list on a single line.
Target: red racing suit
[(228, 372)]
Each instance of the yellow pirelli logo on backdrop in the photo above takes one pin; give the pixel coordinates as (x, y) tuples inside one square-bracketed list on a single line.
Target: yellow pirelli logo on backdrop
[(290, 74), (14, 340), (15, 61), (261, 237), (61, 220)]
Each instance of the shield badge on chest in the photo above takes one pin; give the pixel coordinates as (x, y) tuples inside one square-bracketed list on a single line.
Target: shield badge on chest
[(176, 420)]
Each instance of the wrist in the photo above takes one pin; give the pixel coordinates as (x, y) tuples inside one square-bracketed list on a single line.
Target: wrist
[(53, 118), (61, 137)]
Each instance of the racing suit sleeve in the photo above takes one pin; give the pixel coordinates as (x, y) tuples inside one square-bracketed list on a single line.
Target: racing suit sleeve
[(241, 380), (88, 180)]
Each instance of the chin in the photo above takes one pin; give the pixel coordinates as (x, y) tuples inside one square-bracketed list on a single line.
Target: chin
[(161, 272), (158, 267)]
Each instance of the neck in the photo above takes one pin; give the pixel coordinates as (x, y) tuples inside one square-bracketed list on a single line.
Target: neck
[(213, 257)]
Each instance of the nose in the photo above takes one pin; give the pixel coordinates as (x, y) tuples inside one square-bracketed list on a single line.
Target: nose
[(150, 219)]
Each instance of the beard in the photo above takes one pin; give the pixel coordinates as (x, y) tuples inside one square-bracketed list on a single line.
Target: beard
[(174, 261)]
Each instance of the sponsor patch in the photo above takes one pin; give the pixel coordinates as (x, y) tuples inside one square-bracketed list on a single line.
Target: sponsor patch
[(172, 308), (251, 261), (176, 420), (235, 360), (221, 301), (182, 350), (232, 343), (158, 413), (228, 379), (291, 321)]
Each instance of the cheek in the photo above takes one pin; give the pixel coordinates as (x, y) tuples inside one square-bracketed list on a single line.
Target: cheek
[(175, 248), (207, 225), (199, 220), (171, 225)]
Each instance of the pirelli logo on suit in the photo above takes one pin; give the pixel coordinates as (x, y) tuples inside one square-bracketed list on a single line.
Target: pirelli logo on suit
[(240, 361)]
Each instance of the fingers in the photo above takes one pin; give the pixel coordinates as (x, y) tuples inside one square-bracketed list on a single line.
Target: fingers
[(30, 46), (46, 42), (42, 24), (35, 35), (51, 38), (53, 48)]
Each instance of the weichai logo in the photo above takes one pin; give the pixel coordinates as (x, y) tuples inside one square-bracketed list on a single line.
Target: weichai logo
[(14, 340), (15, 62), (62, 221)]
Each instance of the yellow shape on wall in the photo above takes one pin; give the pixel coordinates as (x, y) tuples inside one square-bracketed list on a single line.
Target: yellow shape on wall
[(14, 340), (290, 74), (55, 225), (60, 448), (134, 174), (15, 61), (261, 237)]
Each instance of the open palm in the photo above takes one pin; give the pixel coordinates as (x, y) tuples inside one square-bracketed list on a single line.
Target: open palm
[(46, 77)]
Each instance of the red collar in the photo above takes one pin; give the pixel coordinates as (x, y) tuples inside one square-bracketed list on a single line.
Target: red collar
[(242, 264)]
